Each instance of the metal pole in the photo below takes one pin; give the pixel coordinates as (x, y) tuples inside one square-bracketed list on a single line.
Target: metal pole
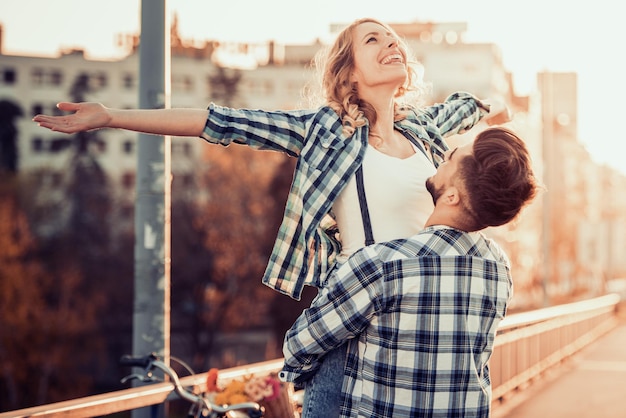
[(151, 312)]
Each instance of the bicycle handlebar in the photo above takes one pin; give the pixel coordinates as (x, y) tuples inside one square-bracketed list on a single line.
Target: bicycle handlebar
[(142, 361), (152, 361)]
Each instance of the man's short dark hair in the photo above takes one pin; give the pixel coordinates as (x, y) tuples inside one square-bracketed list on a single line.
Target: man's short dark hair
[(497, 178)]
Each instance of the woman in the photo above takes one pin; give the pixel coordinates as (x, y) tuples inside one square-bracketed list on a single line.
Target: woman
[(362, 131)]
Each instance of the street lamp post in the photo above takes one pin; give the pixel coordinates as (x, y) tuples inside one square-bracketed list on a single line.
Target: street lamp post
[(151, 311)]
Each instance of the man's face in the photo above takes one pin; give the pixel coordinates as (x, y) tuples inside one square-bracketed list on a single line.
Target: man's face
[(446, 172)]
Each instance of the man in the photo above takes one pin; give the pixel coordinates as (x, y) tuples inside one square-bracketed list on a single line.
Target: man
[(421, 314)]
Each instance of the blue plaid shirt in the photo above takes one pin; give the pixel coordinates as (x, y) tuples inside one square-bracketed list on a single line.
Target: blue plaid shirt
[(304, 252), (420, 316)]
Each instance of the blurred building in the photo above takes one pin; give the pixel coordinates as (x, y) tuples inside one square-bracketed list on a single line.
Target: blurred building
[(583, 208)]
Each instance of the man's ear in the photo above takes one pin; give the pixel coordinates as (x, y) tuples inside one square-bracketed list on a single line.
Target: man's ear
[(452, 196)]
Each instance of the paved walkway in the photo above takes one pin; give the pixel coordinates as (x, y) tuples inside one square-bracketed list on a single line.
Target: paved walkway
[(592, 384)]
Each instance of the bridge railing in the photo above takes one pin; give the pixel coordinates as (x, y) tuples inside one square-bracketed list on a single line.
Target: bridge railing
[(526, 345), (529, 343)]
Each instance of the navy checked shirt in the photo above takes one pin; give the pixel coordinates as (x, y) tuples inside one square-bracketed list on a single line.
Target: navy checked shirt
[(304, 252), (420, 316)]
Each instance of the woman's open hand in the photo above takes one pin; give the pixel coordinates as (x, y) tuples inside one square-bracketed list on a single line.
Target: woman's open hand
[(499, 113), (86, 117)]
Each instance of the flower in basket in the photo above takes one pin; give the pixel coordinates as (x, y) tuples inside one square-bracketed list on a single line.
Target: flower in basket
[(268, 391), (251, 389), (263, 388)]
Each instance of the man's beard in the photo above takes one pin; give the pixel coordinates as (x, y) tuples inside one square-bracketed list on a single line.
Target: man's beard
[(435, 192)]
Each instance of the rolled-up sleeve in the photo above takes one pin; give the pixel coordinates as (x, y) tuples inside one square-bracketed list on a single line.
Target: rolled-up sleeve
[(458, 113), (282, 131)]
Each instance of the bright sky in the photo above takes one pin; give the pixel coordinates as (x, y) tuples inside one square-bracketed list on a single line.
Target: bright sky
[(585, 36)]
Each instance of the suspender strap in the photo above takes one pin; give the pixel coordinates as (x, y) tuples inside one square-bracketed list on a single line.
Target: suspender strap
[(365, 214), (410, 135), (360, 188)]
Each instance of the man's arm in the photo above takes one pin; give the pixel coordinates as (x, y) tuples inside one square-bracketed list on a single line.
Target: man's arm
[(342, 311)]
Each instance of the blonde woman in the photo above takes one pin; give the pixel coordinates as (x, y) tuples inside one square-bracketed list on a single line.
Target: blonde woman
[(362, 160)]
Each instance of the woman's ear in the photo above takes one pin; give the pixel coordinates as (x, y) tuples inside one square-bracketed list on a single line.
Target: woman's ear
[(354, 78)]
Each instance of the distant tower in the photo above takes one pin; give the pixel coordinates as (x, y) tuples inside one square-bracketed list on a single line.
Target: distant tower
[(561, 202), (559, 93)]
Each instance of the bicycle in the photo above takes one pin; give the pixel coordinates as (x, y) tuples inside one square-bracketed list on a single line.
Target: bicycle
[(201, 405)]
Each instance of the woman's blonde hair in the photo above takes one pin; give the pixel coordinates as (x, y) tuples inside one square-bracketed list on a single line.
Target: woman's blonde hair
[(335, 65)]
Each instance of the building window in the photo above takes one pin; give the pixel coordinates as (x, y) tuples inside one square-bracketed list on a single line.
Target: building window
[(128, 147), (100, 80), (182, 83), (37, 109), (37, 76), (41, 77), (36, 145), (9, 76), (128, 81), (55, 77), (59, 144), (128, 180)]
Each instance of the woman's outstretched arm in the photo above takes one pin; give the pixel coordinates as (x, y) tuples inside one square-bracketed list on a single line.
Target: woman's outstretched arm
[(89, 116)]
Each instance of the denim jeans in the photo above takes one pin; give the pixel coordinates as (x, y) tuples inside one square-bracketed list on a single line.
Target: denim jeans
[(322, 394)]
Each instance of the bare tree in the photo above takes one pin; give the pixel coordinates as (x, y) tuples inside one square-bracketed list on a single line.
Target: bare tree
[(44, 316), (237, 221)]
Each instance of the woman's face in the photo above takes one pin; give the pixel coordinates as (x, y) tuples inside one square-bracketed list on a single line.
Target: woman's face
[(378, 58)]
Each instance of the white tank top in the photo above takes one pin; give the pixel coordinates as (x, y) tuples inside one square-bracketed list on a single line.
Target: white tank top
[(397, 199)]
